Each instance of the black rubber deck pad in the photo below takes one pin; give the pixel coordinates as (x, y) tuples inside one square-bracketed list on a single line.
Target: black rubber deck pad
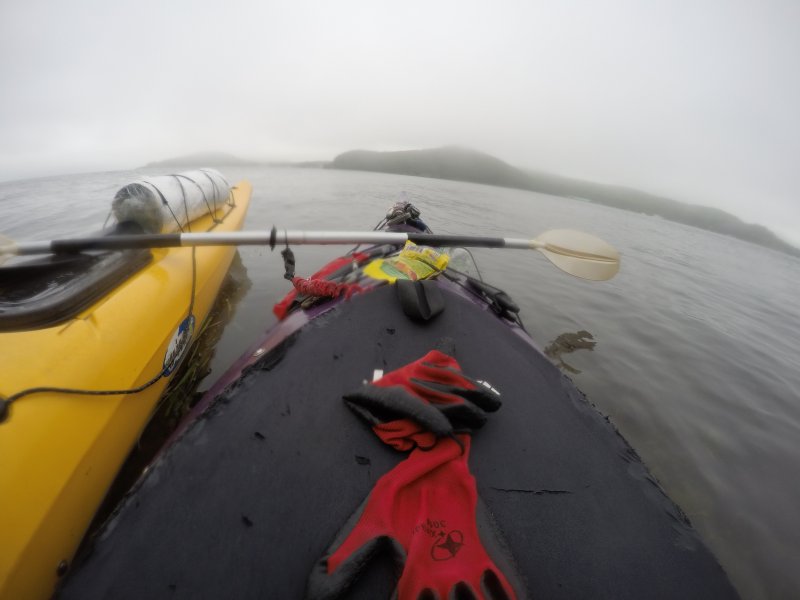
[(251, 496)]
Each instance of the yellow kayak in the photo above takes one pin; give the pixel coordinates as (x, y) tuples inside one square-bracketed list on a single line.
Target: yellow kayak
[(60, 452)]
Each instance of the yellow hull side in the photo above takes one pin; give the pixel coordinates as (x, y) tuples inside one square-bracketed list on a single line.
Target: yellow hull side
[(60, 453)]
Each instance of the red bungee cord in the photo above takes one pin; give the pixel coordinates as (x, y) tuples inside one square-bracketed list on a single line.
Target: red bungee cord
[(316, 286), (321, 288)]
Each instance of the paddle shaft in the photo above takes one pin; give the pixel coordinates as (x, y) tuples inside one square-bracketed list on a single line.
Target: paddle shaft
[(574, 252), (264, 238)]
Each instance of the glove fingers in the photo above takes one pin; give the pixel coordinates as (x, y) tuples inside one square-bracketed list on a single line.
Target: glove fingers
[(459, 384), (382, 404), (493, 588), (480, 397), (325, 585), (433, 360), (483, 397), (364, 534), (442, 412), (463, 415), (446, 374), (408, 392)]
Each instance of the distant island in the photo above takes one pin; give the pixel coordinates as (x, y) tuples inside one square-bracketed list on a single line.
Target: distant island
[(462, 164), (201, 159), (222, 159)]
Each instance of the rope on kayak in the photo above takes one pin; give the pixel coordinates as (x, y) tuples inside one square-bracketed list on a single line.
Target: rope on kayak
[(321, 288), (288, 262), (316, 287), (211, 212), (169, 208), (5, 402)]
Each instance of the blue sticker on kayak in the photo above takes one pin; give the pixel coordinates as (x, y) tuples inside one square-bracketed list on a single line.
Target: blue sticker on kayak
[(179, 344)]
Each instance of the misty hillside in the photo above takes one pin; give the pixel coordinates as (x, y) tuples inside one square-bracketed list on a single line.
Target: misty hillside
[(221, 159), (201, 159), (468, 165)]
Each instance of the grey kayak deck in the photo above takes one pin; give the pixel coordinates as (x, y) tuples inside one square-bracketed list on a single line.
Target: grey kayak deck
[(250, 497)]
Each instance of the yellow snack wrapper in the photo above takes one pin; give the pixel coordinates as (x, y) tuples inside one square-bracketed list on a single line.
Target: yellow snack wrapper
[(414, 262)]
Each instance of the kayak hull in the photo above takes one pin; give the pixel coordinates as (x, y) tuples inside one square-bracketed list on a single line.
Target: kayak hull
[(248, 496), (60, 452)]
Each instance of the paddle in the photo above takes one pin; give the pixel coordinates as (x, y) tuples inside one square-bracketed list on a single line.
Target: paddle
[(574, 252)]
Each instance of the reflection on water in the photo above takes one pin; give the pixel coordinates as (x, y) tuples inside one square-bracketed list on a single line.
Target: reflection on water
[(567, 343)]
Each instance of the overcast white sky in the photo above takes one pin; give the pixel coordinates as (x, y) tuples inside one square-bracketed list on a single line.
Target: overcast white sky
[(696, 100)]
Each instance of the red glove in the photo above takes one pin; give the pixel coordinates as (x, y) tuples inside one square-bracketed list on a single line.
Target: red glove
[(425, 508), (431, 391)]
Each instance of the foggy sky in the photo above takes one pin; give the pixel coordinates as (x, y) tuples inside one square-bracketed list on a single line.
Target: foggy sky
[(694, 100)]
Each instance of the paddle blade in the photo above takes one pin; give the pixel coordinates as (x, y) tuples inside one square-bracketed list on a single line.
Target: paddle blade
[(7, 248), (579, 254)]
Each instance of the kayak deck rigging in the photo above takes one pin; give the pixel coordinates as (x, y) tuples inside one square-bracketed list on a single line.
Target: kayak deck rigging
[(247, 499)]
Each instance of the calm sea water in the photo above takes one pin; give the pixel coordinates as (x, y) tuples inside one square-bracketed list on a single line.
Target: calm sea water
[(696, 339)]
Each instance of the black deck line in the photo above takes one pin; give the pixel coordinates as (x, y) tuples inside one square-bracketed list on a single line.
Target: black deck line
[(439, 239), (246, 502)]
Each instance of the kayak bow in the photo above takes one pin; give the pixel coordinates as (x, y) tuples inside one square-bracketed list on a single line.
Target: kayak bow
[(273, 483)]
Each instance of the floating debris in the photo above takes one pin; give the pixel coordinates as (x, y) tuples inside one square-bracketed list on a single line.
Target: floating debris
[(567, 343)]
